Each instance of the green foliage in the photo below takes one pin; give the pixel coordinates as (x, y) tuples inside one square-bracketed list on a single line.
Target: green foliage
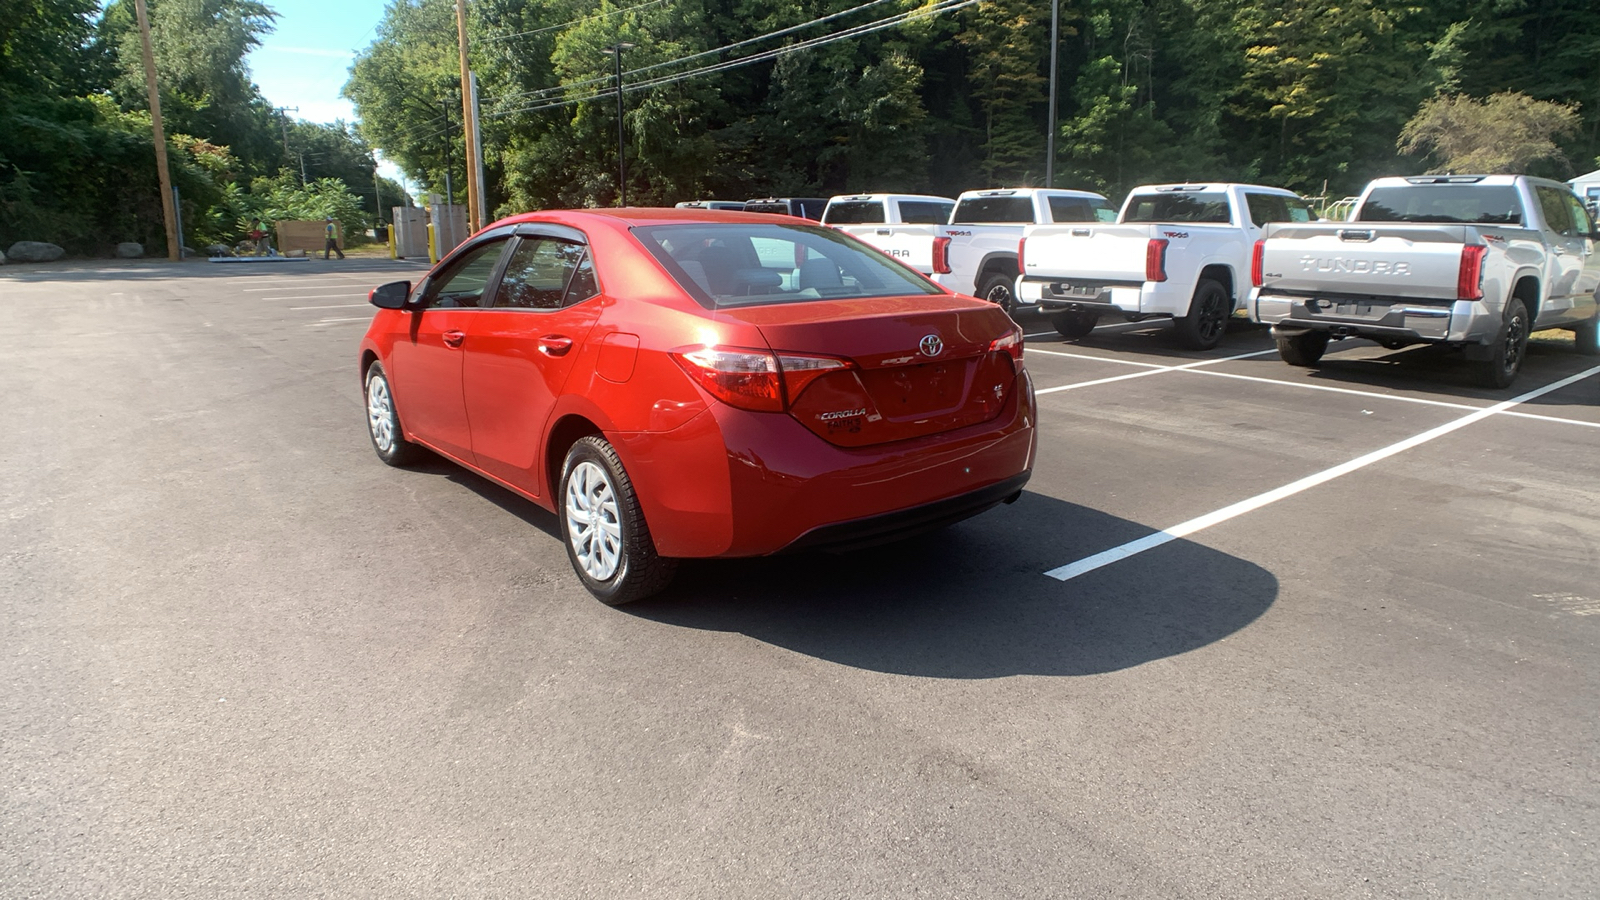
[(1501, 133), (280, 197)]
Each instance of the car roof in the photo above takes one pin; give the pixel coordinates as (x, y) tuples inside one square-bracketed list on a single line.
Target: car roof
[(1025, 191), (636, 215), (1214, 186), (860, 197)]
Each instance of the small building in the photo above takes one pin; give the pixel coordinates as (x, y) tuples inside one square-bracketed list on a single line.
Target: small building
[(1587, 187)]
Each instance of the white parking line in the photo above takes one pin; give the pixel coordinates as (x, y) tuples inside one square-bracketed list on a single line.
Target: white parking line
[(336, 321), (282, 288), (1382, 396), (1148, 323), (333, 306), (1157, 371), (1116, 554), (1125, 362)]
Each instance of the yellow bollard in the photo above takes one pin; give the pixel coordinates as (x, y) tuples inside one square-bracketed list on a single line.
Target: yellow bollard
[(433, 247), (394, 253)]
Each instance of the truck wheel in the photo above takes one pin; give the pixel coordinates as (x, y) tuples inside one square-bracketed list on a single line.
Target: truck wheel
[(996, 288), (1588, 337), (1209, 310), (1074, 325), (1508, 349), (1304, 349)]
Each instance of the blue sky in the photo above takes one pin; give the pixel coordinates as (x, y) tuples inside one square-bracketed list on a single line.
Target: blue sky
[(306, 61)]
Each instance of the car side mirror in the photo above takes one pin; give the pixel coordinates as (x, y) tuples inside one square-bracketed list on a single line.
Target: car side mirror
[(390, 296)]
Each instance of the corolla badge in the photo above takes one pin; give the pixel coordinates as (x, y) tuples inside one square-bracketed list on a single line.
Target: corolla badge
[(932, 345)]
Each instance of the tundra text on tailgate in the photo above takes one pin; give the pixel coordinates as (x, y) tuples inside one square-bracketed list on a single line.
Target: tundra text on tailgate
[(1473, 262)]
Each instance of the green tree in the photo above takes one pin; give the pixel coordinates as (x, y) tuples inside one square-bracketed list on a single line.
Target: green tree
[(1500, 134)]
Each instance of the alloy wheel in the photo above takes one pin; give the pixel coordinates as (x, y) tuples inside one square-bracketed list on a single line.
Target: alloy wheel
[(593, 526), (380, 414)]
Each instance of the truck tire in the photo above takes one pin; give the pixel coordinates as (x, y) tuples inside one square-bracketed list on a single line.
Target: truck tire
[(1508, 349), (995, 287), (1587, 337), (1207, 320), (1074, 325), (1304, 349)]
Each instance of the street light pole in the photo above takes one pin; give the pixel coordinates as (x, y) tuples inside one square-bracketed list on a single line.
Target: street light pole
[(1050, 138), (622, 157)]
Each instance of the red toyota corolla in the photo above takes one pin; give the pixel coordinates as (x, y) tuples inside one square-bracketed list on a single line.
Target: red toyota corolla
[(676, 383)]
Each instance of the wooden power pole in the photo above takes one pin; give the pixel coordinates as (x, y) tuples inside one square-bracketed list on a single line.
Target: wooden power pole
[(168, 211), (468, 120)]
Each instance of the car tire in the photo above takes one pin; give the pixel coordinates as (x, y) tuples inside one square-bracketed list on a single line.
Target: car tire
[(1509, 347), (1207, 321), (1075, 325), (383, 421), (1587, 337), (603, 527), (1304, 349), (997, 289)]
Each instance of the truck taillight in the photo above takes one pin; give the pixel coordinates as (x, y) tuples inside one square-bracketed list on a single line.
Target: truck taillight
[(1155, 260), (1257, 263), (1469, 279), (941, 255), (1021, 249)]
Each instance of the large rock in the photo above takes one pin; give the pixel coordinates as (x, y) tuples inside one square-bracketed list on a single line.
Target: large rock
[(129, 250), (215, 250), (34, 251), (2, 259)]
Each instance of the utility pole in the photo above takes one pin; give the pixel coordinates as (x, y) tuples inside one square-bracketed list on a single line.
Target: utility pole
[(449, 198), (622, 156), (469, 123), (283, 119), (169, 211), (302, 168), (477, 150), (1050, 139), (377, 191)]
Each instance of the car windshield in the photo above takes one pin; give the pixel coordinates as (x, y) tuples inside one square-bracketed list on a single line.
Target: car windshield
[(1453, 204), (1187, 206), (742, 264)]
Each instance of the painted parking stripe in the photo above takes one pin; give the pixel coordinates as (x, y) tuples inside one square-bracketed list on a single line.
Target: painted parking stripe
[(332, 306), (1105, 359), (337, 321), (1147, 372), (1150, 542), (1382, 396), (1117, 327)]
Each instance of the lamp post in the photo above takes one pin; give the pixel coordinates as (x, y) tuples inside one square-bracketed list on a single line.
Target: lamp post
[(1050, 137), (622, 158)]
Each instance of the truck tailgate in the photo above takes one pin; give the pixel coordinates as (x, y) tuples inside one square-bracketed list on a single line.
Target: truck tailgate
[(910, 244), (1412, 261), (1101, 253)]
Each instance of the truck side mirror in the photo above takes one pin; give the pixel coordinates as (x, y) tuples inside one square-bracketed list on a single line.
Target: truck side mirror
[(390, 296)]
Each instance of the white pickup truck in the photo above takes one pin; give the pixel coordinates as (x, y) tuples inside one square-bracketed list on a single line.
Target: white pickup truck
[(976, 254), (1474, 262), (1176, 250), (901, 225)]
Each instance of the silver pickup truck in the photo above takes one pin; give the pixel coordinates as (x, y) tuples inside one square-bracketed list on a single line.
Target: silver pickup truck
[(1470, 261)]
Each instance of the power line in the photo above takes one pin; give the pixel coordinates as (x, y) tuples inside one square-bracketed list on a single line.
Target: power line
[(942, 6), (771, 34), (507, 37)]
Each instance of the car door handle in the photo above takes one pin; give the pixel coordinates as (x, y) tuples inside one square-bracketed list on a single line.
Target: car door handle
[(555, 345), (454, 338), (884, 231)]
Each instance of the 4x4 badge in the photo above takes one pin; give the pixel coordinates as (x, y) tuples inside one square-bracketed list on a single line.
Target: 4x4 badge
[(932, 345)]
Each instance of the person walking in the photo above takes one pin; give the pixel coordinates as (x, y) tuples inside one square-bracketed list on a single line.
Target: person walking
[(332, 243), (258, 236)]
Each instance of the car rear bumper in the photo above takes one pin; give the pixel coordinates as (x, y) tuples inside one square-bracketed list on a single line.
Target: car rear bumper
[(1382, 318), (736, 483)]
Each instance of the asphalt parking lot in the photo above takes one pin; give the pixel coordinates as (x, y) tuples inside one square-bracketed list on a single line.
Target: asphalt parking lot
[(1252, 631)]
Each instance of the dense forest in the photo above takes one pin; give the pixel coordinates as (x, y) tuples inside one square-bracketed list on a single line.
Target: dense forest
[(743, 98)]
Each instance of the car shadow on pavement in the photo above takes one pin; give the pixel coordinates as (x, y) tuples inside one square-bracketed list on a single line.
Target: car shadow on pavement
[(971, 601), (1439, 370)]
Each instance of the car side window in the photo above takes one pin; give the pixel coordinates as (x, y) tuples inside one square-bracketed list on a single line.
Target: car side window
[(1557, 217), (463, 284), (583, 284), (540, 270)]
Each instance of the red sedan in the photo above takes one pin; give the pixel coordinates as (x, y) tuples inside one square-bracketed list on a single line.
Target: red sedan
[(676, 383)]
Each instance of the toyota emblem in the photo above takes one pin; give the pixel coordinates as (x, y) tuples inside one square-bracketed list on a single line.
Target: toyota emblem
[(932, 345)]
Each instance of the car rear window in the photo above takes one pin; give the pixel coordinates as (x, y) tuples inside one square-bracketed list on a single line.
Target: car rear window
[(993, 210), (1189, 206), (925, 212), (854, 212), (740, 264), (1443, 203)]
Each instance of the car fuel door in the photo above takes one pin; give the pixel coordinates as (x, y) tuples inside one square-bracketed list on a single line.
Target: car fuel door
[(524, 348)]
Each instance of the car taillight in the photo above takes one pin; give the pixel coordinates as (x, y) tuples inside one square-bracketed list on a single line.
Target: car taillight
[(1155, 260), (941, 255), (1470, 277), (1021, 248), (1010, 344), (1257, 263), (754, 379), (747, 379)]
